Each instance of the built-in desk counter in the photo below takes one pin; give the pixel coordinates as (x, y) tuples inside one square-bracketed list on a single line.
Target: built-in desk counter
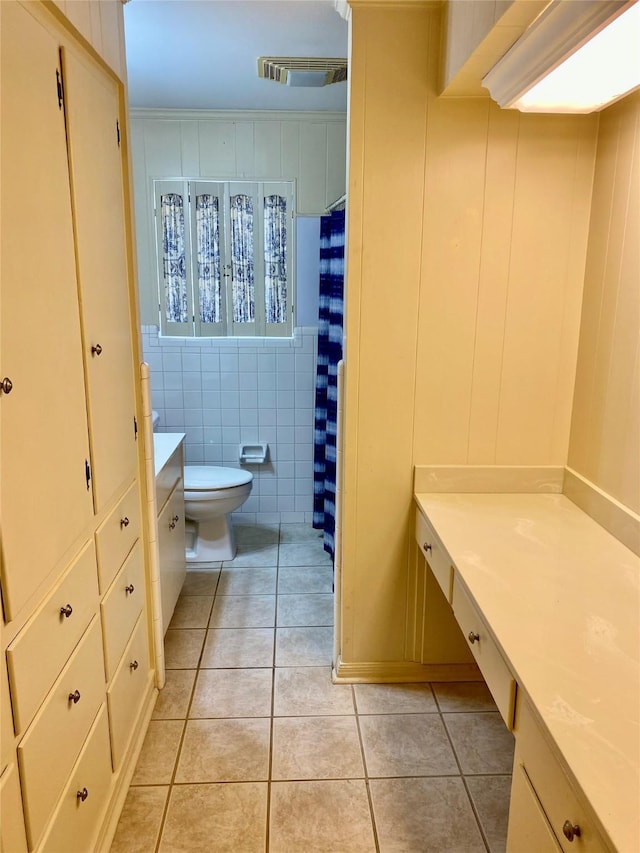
[(560, 597)]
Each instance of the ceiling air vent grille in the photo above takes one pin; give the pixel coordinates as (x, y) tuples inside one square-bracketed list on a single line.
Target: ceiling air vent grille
[(302, 70)]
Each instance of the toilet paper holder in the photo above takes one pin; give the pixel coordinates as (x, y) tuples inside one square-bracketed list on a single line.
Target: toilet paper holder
[(254, 454)]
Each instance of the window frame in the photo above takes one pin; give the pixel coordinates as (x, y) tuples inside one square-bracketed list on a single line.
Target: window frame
[(189, 189)]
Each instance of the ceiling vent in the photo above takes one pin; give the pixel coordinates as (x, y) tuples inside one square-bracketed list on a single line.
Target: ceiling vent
[(309, 71)]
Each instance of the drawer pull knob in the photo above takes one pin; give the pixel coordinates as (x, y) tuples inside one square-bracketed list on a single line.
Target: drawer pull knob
[(66, 611), (6, 385), (74, 697), (129, 588), (134, 664), (570, 830), (124, 522), (172, 525), (82, 795), (427, 547), (176, 518), (473, 637), (96, 350)]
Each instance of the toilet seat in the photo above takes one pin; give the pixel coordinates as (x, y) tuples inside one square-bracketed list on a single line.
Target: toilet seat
[(207, 478)]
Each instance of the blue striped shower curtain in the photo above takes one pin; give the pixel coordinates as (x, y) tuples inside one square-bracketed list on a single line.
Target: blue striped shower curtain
[(331, 310)]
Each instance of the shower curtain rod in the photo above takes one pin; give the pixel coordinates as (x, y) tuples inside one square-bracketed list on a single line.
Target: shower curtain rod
[(337, 203)]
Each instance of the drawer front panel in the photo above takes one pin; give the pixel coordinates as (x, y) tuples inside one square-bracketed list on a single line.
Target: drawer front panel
[(171, 542), (121, 607), (116, 535), (168, 477), (51, 745), (7, 754), (434, 554), (78, 818), (529, 829), (127, 691), (552, 787), (50, 637), (12, 834), (495, 671)]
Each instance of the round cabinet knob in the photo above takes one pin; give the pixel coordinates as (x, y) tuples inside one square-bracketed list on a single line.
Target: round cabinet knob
[(129, 588), (124, 522), (6, 385), (427, 547), (570, 830), (172, 525), (96, 350), (66, 611), (74, 697), (82, 795), (473, 637), (134, 664), (176, 518)]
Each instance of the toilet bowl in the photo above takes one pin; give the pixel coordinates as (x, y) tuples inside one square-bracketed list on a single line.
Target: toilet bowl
[(211, 493)]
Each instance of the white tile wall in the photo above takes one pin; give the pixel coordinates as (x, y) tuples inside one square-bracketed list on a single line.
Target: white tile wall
[(224, 392)]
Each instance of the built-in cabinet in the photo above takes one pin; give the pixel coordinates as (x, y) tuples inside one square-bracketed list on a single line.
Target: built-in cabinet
[(77, 678), (171, 520)]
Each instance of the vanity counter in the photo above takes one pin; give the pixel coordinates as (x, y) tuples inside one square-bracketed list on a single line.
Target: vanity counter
[(561, 598), (164, 445)]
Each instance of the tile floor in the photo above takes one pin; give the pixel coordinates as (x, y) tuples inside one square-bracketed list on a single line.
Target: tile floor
[(252, 748)]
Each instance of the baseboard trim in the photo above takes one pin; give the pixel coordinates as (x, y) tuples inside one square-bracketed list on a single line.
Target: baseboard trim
[(616, 518), (388, 672)]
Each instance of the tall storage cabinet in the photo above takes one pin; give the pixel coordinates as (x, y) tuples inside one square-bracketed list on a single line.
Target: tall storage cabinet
[(77, 675)]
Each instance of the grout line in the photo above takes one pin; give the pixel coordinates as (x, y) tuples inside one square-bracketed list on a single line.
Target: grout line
[(374, 828)]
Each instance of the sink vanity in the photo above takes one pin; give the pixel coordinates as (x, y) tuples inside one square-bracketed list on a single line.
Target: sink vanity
[(548, 603), (169, 471)]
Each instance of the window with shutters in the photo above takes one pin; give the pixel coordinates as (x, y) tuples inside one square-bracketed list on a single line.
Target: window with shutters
[(224, 257)]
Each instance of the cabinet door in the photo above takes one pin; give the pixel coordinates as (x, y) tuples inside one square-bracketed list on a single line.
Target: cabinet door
[(529, 829), (171, 544), (43, 481), (92, 107)]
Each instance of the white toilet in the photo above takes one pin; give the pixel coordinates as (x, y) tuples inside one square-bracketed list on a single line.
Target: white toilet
[(211, 493)]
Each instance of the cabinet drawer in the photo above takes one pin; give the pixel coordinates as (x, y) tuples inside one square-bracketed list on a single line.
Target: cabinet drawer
[(495, 671), (528, 826), (116, 535), (7, 754), (77, 819), (52, 743), (12, 834), (121, 607), (168, 477), (434, 554), (127, 691), (50, 637), (552, 787), (171, 543)]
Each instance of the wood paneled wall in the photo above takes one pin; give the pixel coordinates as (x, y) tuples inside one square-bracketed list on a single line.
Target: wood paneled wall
[(466, 254), (309, 148), (605, 428), (101, 23)]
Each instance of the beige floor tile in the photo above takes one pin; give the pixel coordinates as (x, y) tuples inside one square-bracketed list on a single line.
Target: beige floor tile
[(173, 699), (238, 647), (182, 649), (426, 815), (260, 580), (320, 817), (243, 611), (490, 795), (192, 611), (305, 610), (303, 554), (200, 582), (221, 818), (304, 646), (309, 691), (298, 532), (482, 742), (307, 579), (463, 696), (316, 748), (255, 537), (394, 699), (225, 751), (232, 693), (159, 751), (406, 745), (140, 820), (248, 557)]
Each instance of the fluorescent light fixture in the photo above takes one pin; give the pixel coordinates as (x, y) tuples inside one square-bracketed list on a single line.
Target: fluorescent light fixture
[(576, 57)]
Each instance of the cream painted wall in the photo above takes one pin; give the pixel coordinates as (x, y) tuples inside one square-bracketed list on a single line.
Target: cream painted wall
[(466, 253), (605, 428), (101, 23)]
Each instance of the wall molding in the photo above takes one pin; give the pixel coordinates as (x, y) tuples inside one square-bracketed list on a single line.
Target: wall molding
[(235, 115), (388, 672)]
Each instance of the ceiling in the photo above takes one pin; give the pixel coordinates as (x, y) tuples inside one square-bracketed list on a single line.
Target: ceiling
[(202, 54)]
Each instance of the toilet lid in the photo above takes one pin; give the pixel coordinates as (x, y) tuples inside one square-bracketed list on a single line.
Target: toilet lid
[(209, 477)]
